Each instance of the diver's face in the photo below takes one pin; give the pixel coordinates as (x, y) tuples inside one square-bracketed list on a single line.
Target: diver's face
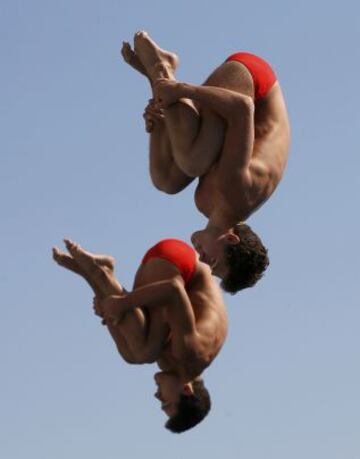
[(168, 391), (211, 249)]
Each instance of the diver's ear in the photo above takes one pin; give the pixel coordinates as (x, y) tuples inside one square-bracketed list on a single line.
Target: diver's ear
[(188, 389), (232, 238)]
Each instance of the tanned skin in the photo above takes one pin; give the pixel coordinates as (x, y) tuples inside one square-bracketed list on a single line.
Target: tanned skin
[(181, 328), (216, 132)]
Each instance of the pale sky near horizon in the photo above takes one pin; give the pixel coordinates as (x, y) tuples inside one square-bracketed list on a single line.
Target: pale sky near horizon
[(73, 162)]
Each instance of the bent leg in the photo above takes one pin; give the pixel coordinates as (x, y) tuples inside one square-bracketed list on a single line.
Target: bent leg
[(207, 146), (135, 336), (165, 173), (69, 263), (195, 141)]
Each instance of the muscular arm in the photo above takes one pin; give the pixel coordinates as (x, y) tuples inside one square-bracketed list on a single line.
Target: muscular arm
[(222, 101), (170, 293), (179, 311), (236, 109)]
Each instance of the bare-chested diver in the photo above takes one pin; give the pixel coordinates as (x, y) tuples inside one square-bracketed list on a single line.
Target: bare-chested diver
[(233, 134), (175, 316)]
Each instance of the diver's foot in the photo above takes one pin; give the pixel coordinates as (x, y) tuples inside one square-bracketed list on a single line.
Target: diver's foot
[(158, 63), (64, 260), (131, 58), (88, 261)]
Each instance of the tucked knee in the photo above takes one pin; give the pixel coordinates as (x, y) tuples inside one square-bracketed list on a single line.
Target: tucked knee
[(193, 168), (243, 109), (141, 356), (166, 186), (195, 162)]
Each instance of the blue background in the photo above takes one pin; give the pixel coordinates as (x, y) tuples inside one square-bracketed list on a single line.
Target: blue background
[(73, 162)]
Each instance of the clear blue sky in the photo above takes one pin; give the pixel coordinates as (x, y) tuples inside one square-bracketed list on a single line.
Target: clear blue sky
[(73, 162)]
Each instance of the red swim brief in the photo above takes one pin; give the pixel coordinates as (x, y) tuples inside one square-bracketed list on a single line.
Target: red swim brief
[(262, 74), (177, 252)]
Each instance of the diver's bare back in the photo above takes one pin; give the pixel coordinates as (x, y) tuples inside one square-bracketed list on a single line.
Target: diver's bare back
[(241, 192), (211, 329), (229, 187)]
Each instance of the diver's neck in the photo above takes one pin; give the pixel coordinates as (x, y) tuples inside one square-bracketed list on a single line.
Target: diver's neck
[(221, 222)]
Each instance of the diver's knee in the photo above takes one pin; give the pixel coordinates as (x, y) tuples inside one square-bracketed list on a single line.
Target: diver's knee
[(166, 186)]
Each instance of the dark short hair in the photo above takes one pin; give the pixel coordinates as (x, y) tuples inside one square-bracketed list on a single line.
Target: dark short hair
[(246, 260), (191, 409)]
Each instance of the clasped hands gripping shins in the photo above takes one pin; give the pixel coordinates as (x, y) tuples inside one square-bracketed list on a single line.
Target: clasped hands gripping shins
[(166, 93), (111, 308)]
